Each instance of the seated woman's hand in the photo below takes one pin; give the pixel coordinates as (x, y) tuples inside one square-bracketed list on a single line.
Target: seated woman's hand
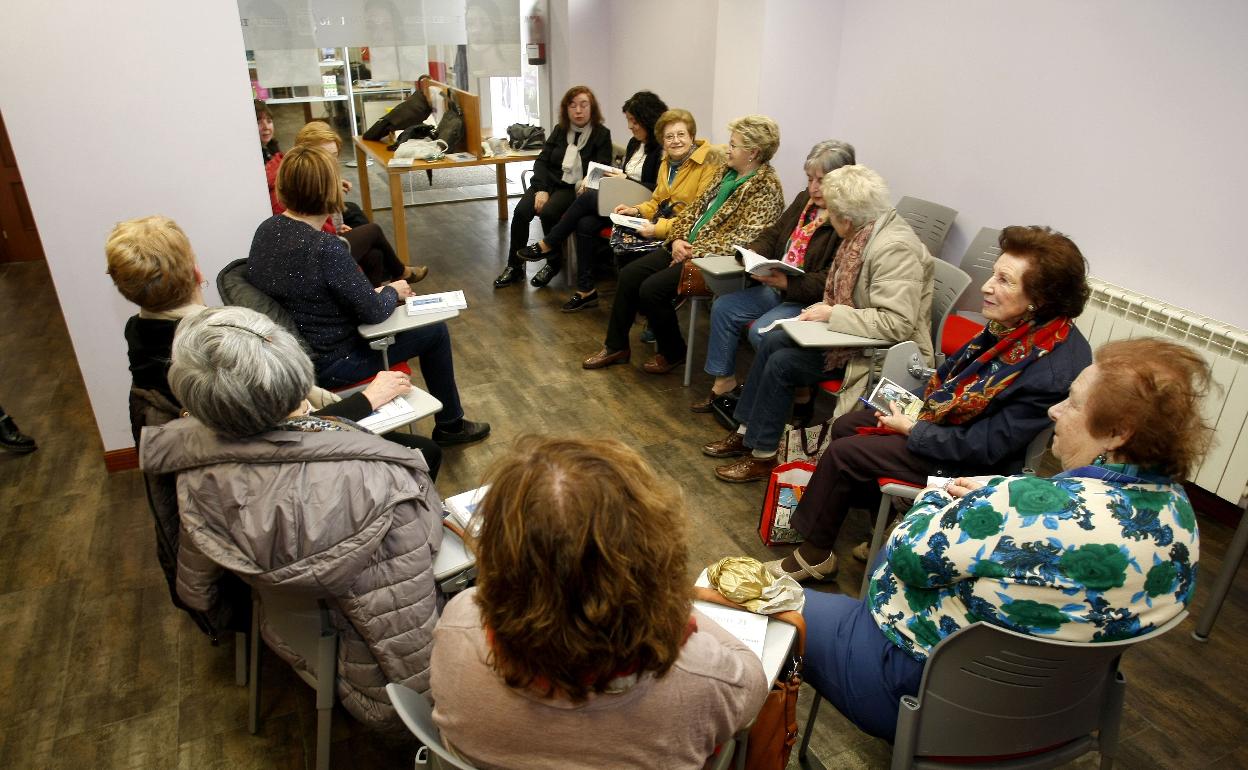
[(539, 201), (776, 280), (344, 229), (647, 230), (346, 185), (820, 311), (403, 288), (385, 387), (628, 211), (897, 421), (681, 250), (962, 486)]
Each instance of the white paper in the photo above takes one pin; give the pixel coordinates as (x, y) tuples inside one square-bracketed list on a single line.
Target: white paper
[(750, 628), (462, 509), (774, 324), (632, 222), (388, 412), (436, 303), (595, 173), (401, 162)]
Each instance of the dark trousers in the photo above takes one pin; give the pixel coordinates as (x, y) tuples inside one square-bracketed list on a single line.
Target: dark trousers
[(431, 451), (847, 473), (524, 212), (581, 221), (780, 365), (432, 344), (374, 254), (648, 284)]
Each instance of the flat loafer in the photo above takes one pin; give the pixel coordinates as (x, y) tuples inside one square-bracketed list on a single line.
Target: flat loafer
[(604, 358), (660, 365), (747, 469)]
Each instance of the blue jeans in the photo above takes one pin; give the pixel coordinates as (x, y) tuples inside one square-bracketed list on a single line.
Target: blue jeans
[(431, 343), (779, 366), (850, 662), (729, 315)]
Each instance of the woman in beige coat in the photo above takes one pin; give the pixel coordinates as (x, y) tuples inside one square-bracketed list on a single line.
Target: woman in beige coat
[(880, 286), (293, 502)]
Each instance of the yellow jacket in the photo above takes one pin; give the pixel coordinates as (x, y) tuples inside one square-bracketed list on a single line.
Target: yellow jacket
[(691, 180)]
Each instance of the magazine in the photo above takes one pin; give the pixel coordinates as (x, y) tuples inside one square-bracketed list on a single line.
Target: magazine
[(757, 264), (887, 393), (462, 509), (595, 173), (436, 303)]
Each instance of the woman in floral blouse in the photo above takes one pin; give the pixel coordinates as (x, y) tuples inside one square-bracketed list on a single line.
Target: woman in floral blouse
[(1104, 550)]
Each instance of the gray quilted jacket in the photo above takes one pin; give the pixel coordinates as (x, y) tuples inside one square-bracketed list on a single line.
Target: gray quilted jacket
[(342, 515)]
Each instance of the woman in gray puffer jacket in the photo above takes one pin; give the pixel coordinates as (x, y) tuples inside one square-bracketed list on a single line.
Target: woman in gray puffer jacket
[(299, 503)]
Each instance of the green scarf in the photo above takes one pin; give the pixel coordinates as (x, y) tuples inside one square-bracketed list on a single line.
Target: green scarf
[(728, 184)]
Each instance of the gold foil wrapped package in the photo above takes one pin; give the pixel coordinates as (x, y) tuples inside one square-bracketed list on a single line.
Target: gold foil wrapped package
[(747, 582)]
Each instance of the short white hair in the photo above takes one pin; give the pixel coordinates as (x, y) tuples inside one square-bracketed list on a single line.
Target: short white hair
[(828, 155), (856, 193), (237, 371)]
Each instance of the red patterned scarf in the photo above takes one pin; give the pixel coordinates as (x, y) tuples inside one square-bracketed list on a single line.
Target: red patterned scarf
[(986, 366), (839, 289), (810, 220)]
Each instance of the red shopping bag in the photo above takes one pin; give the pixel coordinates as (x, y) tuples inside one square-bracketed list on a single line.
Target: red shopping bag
[(784, 490)]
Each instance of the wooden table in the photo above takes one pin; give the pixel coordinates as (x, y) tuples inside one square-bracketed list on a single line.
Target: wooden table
[(377, 151)]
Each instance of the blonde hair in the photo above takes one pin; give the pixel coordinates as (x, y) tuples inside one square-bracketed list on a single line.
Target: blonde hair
[(676, 115), (758, 132), (151, 262), (856, 193), (316, 133), (308, 182)]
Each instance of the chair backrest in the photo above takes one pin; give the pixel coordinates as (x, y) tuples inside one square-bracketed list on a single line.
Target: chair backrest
[(235, 289), (991, 692), (930, 221), (417, 714), (619, 191), (1036, 449), (978, 262), (948, 283), (304, 625)]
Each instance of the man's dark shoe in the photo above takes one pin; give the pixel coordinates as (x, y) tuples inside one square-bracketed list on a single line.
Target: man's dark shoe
[(12, 439), (544, 275), (511, 274), (579, 302), (468, 432)]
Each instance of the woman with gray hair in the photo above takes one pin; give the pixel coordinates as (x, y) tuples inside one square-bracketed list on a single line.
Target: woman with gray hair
[(803, 237), (879, 285), (290, 501)]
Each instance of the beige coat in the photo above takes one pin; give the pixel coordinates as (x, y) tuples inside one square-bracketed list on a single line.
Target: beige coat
[(342, 515), (892, 301)]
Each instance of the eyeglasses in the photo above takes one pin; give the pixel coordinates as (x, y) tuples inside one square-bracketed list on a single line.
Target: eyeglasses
[(676, 136)]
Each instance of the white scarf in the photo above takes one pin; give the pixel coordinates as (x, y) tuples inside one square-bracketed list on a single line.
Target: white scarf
[(573, 169)]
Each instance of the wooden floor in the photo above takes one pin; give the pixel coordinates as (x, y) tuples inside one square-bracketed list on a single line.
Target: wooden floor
[(100, 671)]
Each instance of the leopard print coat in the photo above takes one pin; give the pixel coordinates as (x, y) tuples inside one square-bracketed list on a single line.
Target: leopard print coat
[(750, 209)]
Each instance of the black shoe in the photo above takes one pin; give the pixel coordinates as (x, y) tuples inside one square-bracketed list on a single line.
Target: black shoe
[(468, 432), (724, 407), (803, 413), (532, 253), (13, 439), (511, 274), (544, 275), (580, 303)]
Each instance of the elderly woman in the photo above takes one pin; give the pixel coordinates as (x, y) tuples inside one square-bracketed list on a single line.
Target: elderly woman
[(1104, 550), (580, 138), (880, 285), (311, 274), (802, 237), (742, 201), (293, 502), (981, 408), (367, 241), (582, 618), (641, 164)]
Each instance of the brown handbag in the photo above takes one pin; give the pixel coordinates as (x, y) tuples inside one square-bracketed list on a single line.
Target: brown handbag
[(691, 282), (774, 731)]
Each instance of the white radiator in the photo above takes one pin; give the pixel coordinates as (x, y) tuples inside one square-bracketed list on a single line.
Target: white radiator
[(1114, 313)]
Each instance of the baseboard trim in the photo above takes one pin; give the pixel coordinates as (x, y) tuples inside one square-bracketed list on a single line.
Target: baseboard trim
[(121, 460)]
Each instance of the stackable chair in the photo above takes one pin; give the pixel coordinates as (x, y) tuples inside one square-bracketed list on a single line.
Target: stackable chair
[(965, 321), (612, 191), (930, 221), (303, 624), (992, 697)]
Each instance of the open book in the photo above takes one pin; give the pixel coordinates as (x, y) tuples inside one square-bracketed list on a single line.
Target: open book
[(747, 626), (595, 173), (436, 303), (462, 509), (887, 393), (757, 264)]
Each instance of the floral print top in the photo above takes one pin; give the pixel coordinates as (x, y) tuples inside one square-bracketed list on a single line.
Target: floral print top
[(1093, 554)]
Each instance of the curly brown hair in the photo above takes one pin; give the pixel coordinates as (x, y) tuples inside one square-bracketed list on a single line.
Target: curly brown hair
[(582, 558), (1150, 390), (1056, 278), (595, 114)]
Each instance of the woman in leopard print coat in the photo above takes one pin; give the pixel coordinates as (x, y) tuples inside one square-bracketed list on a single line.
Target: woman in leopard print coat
[(738, 205)]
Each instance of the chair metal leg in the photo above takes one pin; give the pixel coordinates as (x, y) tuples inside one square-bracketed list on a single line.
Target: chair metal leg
[(693, 322), (1230, 566), (1111, 720), (326, 674), (877, 539), (253, 693), (240, 658), (810, 727), (743, 746)]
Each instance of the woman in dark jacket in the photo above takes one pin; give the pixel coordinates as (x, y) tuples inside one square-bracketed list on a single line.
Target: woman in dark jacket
[(580, 138), (641, 164), (802, 237)]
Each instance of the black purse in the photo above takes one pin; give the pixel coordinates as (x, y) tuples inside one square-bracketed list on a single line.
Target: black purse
[(521, 136)]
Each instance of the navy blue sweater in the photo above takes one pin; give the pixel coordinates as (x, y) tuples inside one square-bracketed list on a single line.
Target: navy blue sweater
[(311, 273)]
